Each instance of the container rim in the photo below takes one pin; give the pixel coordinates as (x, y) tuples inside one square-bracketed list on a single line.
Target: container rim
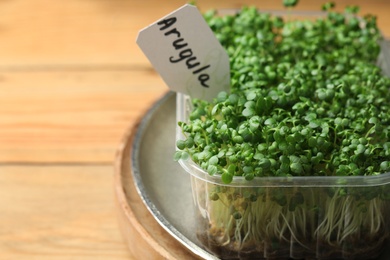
[(303, 181)]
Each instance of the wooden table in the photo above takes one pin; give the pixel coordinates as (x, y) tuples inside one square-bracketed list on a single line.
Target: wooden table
[(72, 81)]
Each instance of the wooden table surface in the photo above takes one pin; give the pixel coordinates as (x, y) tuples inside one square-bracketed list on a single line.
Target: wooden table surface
[(72, 81)]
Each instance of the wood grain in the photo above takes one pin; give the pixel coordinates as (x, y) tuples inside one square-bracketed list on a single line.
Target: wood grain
[(71, 116), (57, 212)]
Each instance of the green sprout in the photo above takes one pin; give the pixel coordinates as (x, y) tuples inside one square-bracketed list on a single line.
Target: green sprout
[(306, 99), (298, 88)]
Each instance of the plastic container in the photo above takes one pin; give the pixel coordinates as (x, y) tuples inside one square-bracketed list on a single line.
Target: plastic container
[(294, 217), (290, 217)]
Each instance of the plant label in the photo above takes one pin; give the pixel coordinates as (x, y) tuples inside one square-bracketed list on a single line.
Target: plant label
[(187, 55)]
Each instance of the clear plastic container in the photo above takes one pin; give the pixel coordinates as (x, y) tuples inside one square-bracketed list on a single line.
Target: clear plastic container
[(294, 217), (290, 217)]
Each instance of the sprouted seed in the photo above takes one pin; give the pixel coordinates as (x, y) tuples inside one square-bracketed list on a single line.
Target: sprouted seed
[(306, 99)]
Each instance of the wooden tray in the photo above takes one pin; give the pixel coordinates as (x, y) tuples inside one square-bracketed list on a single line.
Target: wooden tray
[(153, 194)]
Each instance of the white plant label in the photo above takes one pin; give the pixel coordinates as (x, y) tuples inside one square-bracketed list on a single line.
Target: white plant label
[(185, 52)]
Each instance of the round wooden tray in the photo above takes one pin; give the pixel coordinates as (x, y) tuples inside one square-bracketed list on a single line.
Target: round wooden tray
[(145, 237)]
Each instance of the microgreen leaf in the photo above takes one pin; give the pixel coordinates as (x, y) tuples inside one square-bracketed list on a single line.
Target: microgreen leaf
[(227, 178), (177, 155)]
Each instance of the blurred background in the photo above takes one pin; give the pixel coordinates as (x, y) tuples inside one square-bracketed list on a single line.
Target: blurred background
[(72, 81)]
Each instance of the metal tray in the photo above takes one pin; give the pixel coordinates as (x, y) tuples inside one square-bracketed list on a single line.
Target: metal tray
[(161, 183)]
